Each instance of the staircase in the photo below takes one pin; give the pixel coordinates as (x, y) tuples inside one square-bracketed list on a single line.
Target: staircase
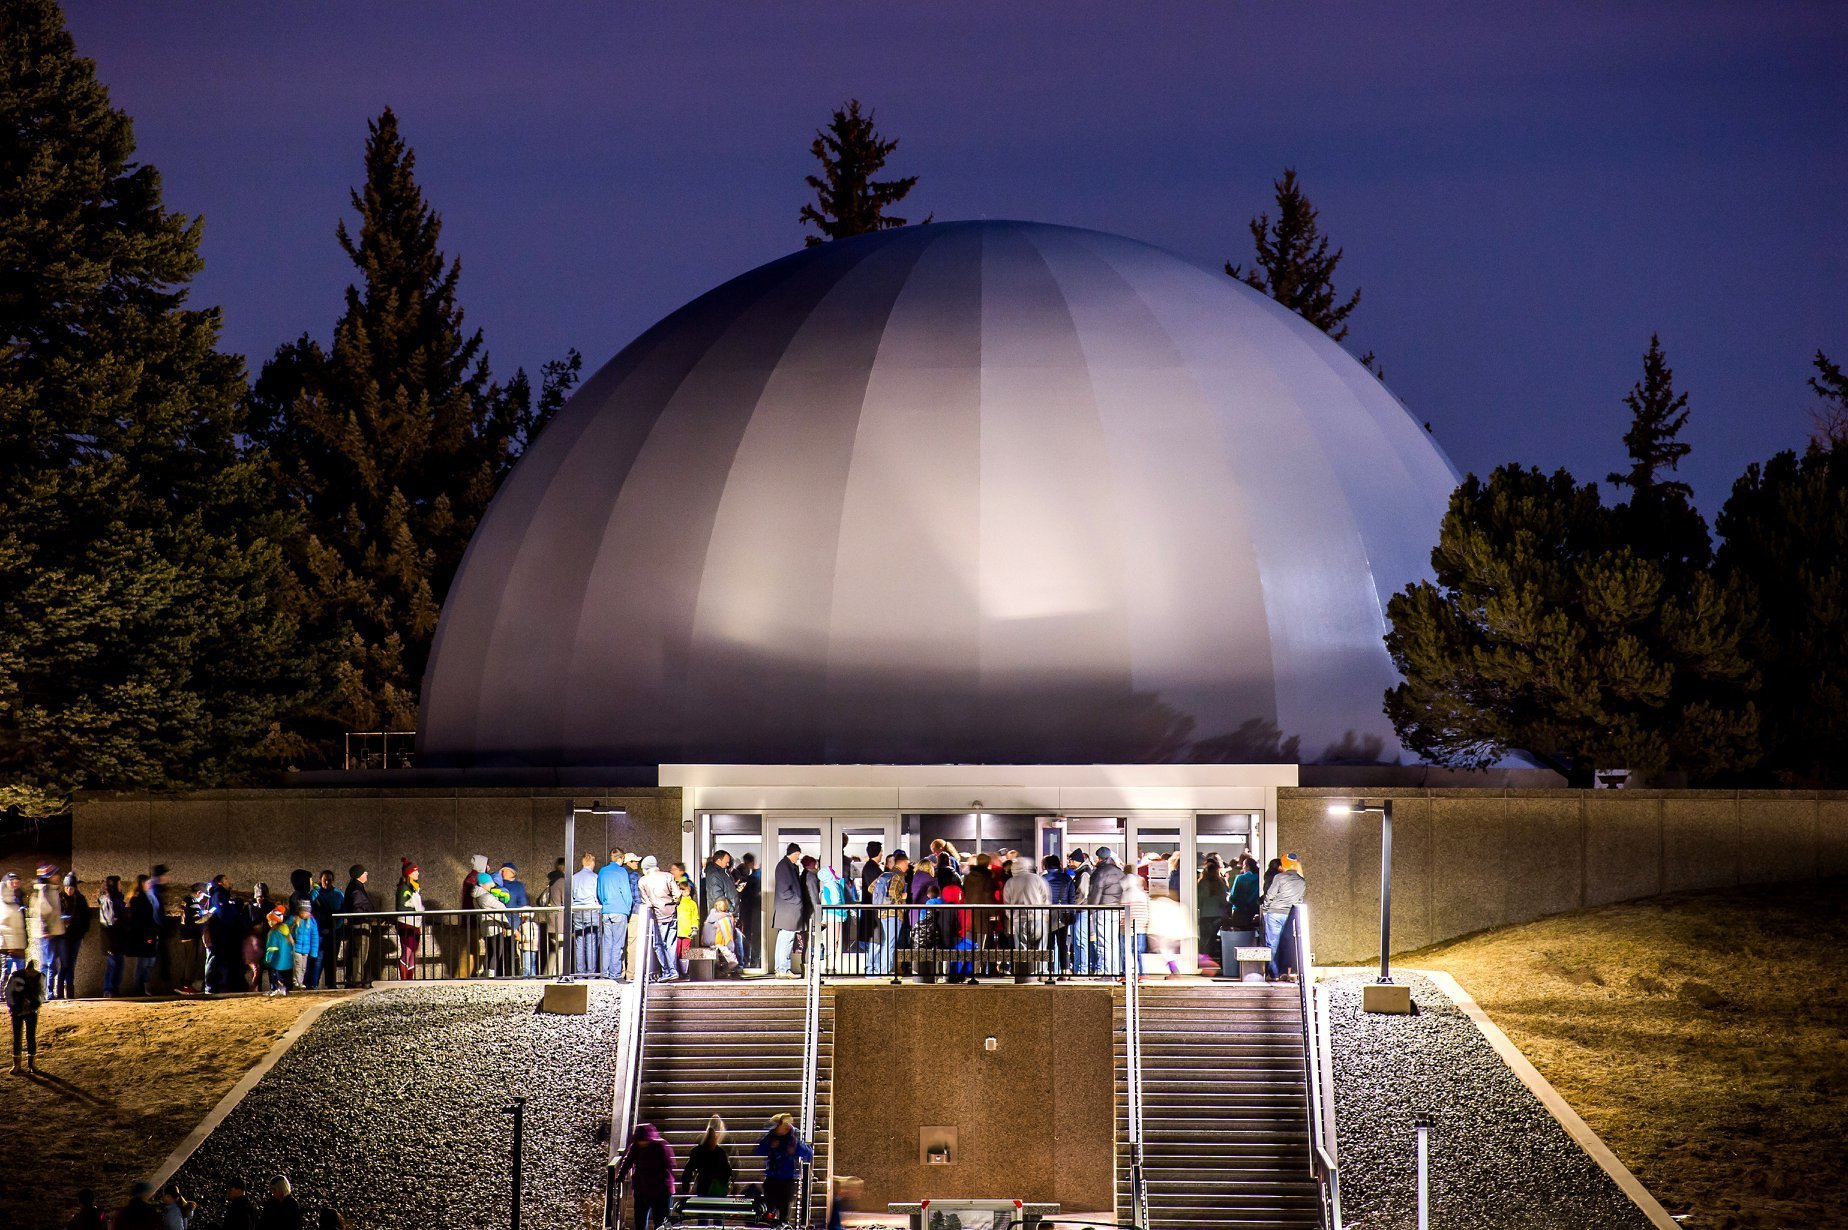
[(734, 1049), (1224, 1127)]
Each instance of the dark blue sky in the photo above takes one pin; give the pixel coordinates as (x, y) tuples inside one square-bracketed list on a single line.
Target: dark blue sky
[(1522, 196)]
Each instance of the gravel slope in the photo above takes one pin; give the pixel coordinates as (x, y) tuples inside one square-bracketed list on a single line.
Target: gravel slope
[(390, 1109), (1499, 1160)]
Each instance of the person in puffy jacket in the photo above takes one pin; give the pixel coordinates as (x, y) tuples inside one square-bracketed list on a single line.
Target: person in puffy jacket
[(783, 1151), (305, 938), (1288, 889), (77, 914), (45, 922), (686, 916), (12, 925), (648, 1167), (279, 952), (25, 995)]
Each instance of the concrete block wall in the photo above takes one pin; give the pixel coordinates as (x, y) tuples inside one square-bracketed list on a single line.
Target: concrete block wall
[(1465, 860), (262, 835)]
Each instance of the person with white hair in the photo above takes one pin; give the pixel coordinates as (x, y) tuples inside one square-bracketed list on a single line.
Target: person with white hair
[(280, 1211)]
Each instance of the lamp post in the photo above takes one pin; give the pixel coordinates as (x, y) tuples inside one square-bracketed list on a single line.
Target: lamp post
[(1381, 995)]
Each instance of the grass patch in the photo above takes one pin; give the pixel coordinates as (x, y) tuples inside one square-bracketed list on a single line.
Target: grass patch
[(1703, 1035), (121, 1084)]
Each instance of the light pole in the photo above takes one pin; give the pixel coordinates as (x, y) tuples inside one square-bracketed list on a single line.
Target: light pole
[(1377, 998)]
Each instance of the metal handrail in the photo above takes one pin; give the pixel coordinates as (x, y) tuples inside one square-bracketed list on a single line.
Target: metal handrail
[(1318, 1074), (1080, 922), (626, 1095), (1132, 1051), (811, 1046)]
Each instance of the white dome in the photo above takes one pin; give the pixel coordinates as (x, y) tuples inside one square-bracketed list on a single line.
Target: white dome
[(987, 492)]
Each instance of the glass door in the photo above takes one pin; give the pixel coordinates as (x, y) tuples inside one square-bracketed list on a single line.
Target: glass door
[(836, 843)]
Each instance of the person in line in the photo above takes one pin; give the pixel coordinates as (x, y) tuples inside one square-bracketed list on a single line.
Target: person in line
[(164, 923), (708, 1170), (305, 939), (240, 1210), (25, 995), (1106, 889), (522, 928), (189, 940), (1287, 889), (1210, 895), (112, 917), (719, 885), (1246, 896), (490, 927), (279, 951), (144, 925), (280, 1211), (139, 1212), (88, 1216), (783, 1151), (360, 931), (1058, 893), (786, 909), (660, 897), (1031, 925), (982, 886), (410, 920), (1270, 872), (883, 891), (648, 1167), (721, 935), (927, 930), (586, 913), (1134, 893), (256, 934), (329, 904), (176, 1211), (870, 870), (686, 914), (13, 925), (750, 881), (45, 922), (616, 898)]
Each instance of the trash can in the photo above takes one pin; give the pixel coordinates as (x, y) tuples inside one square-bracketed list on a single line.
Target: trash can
[(1229, 944), (701, 966)]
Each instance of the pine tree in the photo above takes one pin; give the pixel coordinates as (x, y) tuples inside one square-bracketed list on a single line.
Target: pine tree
[(1545, 632), (141, 640), (848, 200), (1831, 385), (1784, 532), (1295, 267), (1657, 415), (390, 445)]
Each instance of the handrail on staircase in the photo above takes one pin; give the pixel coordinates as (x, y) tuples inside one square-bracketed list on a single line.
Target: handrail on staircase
[(631, 1032), (1132, 1052), (1318, 1073), (812, 962)]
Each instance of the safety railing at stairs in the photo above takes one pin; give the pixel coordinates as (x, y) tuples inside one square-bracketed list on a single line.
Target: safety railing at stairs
[(811, 1057), (1318, 1073), (1132, 1050), (626, 1102)]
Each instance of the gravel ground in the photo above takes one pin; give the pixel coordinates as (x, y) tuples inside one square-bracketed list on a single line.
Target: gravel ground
[(390, 1109), (1499, 1161)]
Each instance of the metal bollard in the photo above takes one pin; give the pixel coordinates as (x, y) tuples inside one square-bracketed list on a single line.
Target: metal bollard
[(1423, 1128)]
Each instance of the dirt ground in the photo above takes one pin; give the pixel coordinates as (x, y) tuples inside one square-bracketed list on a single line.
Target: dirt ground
[(121, 1084), (1704, 1036)]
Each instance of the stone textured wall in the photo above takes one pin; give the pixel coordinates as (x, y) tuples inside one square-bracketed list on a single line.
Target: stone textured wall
[(252, 835), (1466, 860), (1035, 1117)]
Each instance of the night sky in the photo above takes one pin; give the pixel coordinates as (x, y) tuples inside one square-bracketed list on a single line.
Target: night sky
[(1522, 196)]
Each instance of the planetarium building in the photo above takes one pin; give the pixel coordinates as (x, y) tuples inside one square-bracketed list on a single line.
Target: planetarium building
[(960, 524)]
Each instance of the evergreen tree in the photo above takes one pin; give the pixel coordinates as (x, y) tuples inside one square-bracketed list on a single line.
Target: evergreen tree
[(1784, 532), (1545, 632), (390, 444), (141, 641), (1294, 266), (1831, 386), (848, 200), (1657, 415), (1659, 520)]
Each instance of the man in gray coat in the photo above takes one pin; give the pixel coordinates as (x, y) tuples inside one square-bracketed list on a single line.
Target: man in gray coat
[(786, 910), (1106, 889)]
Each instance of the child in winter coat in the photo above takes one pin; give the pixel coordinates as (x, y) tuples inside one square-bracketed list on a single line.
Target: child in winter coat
[(305, 938), (686, 916), (721, 935), (25, 995), (279, 953)]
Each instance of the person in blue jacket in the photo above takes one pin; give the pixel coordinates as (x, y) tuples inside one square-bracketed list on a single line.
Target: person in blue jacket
[(616, 894), (783, 1151)]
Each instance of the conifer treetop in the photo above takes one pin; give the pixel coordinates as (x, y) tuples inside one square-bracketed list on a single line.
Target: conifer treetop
[(848, 200)]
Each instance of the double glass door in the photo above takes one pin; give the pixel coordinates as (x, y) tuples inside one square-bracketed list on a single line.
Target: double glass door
[(836, 842)]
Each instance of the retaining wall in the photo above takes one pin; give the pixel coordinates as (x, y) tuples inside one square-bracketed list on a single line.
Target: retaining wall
[(1466, 860)]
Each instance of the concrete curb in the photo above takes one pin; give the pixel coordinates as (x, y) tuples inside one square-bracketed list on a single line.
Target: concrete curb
[(1556, 1106), (206, 1126)]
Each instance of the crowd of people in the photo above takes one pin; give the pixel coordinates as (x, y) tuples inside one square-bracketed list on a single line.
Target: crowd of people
[(167, 1208), (653, 1175)]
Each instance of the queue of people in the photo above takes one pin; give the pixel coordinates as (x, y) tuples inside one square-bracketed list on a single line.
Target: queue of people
[(167, 1208)]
